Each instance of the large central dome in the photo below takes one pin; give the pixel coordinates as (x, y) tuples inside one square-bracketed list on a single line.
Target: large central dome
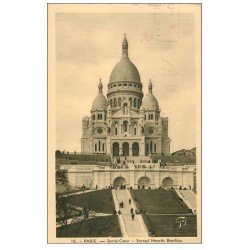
[(125, 70)]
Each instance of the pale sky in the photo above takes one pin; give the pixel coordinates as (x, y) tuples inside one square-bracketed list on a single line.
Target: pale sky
[(162, 46)]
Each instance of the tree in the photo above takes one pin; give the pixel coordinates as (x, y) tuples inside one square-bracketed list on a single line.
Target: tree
[(62, 176)]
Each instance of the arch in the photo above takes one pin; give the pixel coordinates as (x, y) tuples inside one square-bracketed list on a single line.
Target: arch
[(135, 149), (138, 103), (167, 182), (125, 108), (118, 181), (125, 126), (116, 128), (130, 102), (135, 103), (119, 102), (125, 149), (115, 149), (144, 182)]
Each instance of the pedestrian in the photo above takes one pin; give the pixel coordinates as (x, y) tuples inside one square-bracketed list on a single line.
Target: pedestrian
[(131, 210), (129, 201), (133, 216)]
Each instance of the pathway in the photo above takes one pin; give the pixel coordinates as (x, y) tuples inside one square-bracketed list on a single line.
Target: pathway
[(131, 228)]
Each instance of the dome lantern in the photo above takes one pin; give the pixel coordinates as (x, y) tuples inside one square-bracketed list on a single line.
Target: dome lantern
[(125, 47)]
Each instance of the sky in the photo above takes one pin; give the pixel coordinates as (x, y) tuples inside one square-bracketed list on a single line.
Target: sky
[(162, 46)]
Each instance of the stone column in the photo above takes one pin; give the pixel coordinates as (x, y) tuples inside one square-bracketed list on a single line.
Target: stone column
[(130, 149), (96, 179), (132, 179), (142, 146), (108, 179), (120, 148), (108, 145)]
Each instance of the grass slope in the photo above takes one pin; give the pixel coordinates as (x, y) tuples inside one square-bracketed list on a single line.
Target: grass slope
[(105, 226), (166, 225), (160, 201), (99, 201)]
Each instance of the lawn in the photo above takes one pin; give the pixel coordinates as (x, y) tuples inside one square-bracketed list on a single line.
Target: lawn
[(166, 225), (99, 201), (159, 201), (104, 226)]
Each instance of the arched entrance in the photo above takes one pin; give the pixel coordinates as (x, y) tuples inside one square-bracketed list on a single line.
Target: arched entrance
[(135, 149), (167, 183), (118, 181), (125, 149), (144, 182), (115, 149)]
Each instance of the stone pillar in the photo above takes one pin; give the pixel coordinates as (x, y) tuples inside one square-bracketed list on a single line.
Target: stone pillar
[(157, 179), (132, 179), (142, 146), (96, 179), (108, 179), (120, 128), (130, 149), (120, 148), (108, 145)]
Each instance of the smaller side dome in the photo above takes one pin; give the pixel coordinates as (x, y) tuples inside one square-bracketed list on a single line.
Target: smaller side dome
[(100, 102), (109, 108), (142, 108), (150, 102)]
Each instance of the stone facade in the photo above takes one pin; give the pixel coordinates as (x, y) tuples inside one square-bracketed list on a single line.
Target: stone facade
[(145, 174), (125, 123)]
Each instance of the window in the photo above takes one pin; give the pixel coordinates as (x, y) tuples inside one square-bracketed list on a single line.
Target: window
[(125, 109), (99, 146), (119, 84), (103, 147), (130, 101), (115, 103), (99, 117), (134, 102), (115, 85), (116, 131), (125, 84), (111, 103), (93, 117), (134, 131), (125, 126), (119, 102), (155, 148), (130, 84), (150, 116), (95, 147)]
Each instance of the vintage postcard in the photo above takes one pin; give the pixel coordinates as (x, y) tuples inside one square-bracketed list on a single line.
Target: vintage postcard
[(124, 123)]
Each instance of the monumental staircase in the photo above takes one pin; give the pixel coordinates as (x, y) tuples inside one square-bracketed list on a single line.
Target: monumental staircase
[(129, 227), (189, 197)]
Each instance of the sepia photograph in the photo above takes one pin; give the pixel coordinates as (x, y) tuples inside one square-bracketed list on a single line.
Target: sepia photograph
[(124, 123)]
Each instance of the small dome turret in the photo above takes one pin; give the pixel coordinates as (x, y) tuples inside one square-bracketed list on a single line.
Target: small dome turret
[(150, 102), (100, 102)]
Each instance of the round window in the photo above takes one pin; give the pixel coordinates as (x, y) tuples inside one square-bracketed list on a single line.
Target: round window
[(99, 130), (150, 130)]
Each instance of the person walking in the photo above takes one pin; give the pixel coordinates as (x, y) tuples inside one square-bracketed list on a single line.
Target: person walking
[(133, 216)]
